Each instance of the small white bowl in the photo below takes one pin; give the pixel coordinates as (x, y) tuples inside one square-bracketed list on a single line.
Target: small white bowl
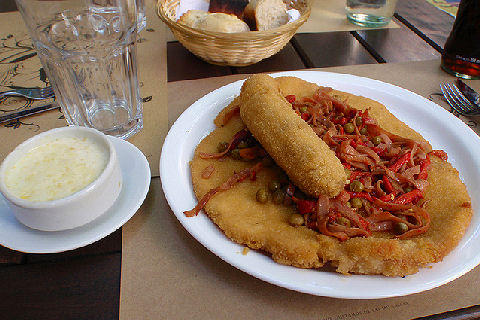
[(73, 210)]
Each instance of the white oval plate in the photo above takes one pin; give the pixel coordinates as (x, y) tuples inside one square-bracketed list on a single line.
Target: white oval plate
[(136, 182), (443, 130)]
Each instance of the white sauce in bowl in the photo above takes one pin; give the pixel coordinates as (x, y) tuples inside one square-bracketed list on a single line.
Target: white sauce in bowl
[(56, 169)]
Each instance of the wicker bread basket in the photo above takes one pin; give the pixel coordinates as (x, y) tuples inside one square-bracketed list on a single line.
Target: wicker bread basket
[(233, 49)]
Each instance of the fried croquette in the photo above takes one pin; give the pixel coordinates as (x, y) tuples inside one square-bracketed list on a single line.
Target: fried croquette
[(290, 141)]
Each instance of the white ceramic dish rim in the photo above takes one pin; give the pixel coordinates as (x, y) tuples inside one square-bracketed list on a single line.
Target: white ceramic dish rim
[(26, 146), (136, 177), (456, 138)]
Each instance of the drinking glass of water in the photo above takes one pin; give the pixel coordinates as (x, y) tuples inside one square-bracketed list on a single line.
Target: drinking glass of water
[(370, 13), (88, 51)]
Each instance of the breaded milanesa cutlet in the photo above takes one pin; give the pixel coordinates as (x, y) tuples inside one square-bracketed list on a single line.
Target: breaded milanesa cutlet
[(266, 226)]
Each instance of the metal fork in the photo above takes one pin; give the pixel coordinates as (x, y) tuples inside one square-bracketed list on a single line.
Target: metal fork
[(30, 93), (457, 100)]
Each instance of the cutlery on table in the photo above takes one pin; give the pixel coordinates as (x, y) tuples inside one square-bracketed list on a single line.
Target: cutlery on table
[(468, 92), (28, 112), (30, 93), (461, 98)]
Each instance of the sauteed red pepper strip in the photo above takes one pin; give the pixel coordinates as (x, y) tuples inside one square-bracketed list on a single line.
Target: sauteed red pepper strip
[(233, 180), (233, 143), (387, 172)]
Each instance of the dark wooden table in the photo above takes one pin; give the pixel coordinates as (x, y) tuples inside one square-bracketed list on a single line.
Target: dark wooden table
[(85, 283)]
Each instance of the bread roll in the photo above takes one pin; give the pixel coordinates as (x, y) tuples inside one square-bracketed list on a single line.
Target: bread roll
[(265, 14), (186, 5), (217, 22), (192, 18)]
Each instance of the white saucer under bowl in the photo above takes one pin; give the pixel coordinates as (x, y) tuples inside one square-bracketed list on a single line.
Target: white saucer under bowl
[(136, 182)]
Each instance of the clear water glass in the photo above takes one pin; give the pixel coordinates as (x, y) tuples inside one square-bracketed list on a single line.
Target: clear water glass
[(88, 51), (370, 13)]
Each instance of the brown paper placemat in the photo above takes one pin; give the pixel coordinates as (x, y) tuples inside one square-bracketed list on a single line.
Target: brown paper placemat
[(20, 66), (167, 274)]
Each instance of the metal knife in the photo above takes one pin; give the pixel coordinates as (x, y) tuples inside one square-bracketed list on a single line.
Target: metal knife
[(28, 112), (468, 92)]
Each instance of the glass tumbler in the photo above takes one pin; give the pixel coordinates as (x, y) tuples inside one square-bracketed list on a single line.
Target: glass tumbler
[(88, 51), (370, 13)]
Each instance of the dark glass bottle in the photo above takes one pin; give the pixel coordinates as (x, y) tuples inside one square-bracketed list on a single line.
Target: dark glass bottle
[(461, 54)]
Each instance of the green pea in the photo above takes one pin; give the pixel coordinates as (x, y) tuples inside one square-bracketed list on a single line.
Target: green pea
[(222, 146), (376, 140), (356, 186), (349, 127), (400, 228), (262, 195), (343, 221), (303, 109), (296, 219), (358, 121), (364, 131), (278, 196), (235, 154), (356, 202), (274, 185)]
